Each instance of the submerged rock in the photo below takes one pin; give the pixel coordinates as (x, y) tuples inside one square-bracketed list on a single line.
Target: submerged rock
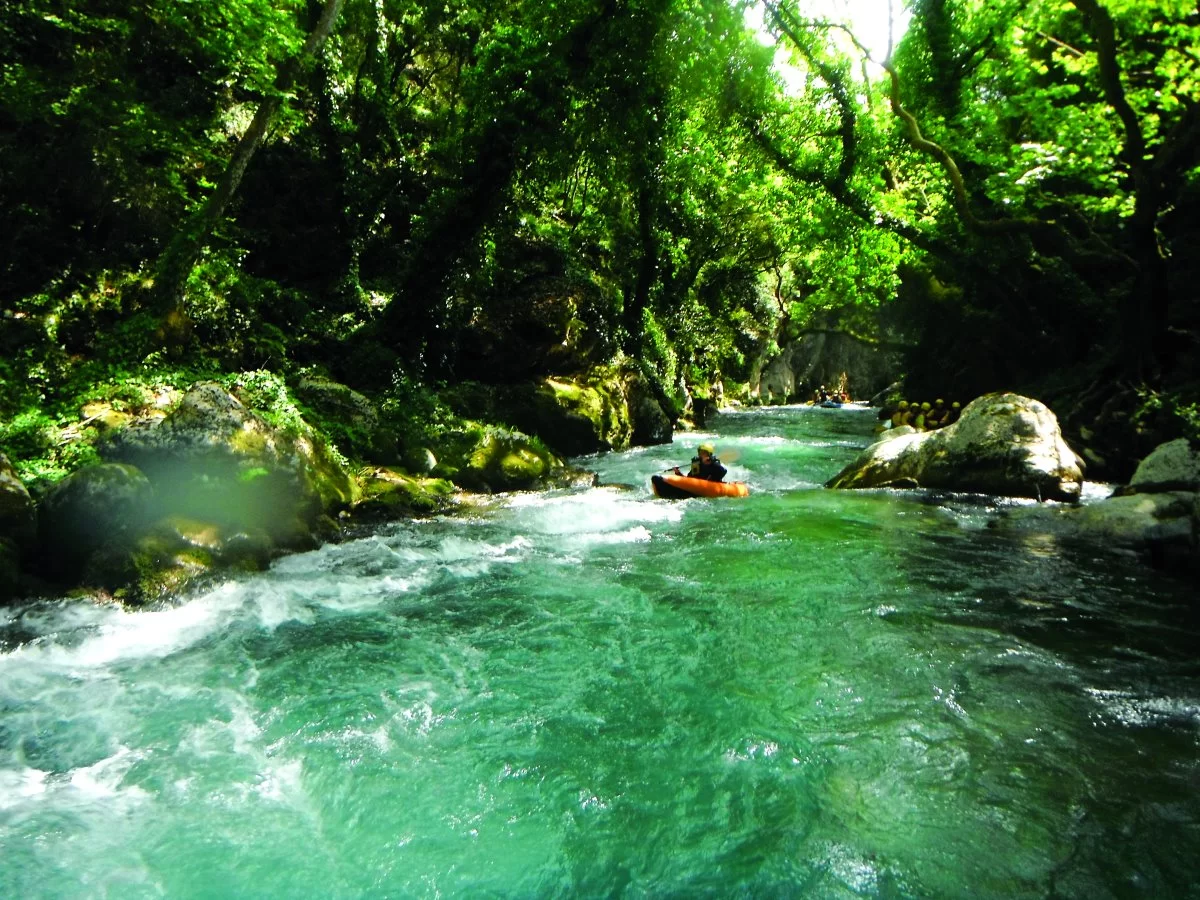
[(1157, 513), (1161, 525), (1003, 444)]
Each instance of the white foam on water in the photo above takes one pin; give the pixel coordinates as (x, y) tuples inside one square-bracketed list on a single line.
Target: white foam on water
[(103, 780), (1140, 711), (1094, 491), (111, 634), (20, 785), (592, 512)]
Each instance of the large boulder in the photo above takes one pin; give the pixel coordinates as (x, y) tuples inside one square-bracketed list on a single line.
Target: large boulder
[(1003, 444), (649, 422), (18, 521), (489, 459), (1174, 466), (171, 553), (349, 418), (390, 493), (214, 459), (18, 526), (609, 409), (94, 509)]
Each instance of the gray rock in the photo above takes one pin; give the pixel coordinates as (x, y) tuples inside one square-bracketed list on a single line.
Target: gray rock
[(1003, 444), (825, 357), (1174, 466)]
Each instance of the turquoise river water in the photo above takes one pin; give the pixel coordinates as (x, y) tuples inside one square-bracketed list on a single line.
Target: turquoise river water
[(595, 693)]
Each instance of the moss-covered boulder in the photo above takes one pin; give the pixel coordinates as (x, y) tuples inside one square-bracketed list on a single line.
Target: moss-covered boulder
[(18, 519), (170, 554), (95, 509), (1003, 444), (389, 493), (607, 409), (18, 527), (215, 459), (1173, 466), (349, 418), (488, 459)]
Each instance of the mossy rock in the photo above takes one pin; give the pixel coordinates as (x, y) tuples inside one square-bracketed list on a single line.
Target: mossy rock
[(348, 418), (18, 519), (173, 553), (389, 494), (95, 507), (215, 459), (489, 459), (572, 416)]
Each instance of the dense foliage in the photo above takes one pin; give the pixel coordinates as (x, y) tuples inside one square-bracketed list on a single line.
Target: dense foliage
[(399, 193)]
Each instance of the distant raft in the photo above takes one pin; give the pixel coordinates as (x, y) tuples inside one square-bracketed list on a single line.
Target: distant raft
[(680, 487)]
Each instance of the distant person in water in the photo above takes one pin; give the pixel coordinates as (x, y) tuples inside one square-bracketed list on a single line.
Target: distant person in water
[(705, 464)]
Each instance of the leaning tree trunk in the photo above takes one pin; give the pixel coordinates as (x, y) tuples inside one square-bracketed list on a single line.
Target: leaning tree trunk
[(647, 270), (181, 254)]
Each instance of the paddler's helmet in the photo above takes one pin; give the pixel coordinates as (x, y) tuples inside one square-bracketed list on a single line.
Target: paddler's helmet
[(926, 407), (708, 448), (904, 404)]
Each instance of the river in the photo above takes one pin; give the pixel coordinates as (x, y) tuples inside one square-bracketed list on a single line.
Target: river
[(595, 693)]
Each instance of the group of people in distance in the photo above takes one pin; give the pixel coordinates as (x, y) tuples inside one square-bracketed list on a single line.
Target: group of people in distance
[(921, 416), (823, 395)]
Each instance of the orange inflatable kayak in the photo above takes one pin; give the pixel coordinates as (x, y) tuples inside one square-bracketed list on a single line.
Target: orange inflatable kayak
[(680, 487)]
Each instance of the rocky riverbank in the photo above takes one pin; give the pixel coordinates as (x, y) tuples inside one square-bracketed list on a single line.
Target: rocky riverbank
[(211, 478), (1009, 445)]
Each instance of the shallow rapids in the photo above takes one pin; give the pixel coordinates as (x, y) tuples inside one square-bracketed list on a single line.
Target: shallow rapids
[(595, 693)]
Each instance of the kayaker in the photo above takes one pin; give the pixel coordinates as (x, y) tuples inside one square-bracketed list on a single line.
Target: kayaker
[(705, 464)]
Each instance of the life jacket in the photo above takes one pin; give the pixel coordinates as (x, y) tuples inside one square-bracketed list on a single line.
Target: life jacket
[(713, 471)]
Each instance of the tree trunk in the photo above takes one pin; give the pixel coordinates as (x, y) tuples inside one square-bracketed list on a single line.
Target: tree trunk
[(176, 263), (636, 303)]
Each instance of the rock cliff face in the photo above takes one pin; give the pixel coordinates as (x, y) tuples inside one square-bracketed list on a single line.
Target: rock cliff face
[(825, 358), (1003, 444)]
